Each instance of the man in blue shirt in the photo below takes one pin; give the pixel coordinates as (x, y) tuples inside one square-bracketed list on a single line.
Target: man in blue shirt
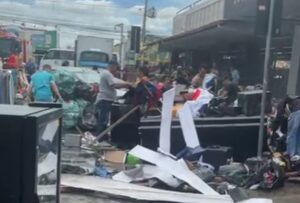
[(42, 85)]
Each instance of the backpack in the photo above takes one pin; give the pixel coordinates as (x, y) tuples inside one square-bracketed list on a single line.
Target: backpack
[(146, 94)]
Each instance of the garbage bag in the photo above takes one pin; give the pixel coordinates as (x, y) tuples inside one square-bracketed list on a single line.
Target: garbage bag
[(205, 173), (71, 114), (85, 91), (69, 169), (66, 83), (88, 119), (82, 105), (269, 176), (235, 173)]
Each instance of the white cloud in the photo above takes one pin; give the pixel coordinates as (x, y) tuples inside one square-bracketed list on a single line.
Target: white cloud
[(136, 10), (90, 13), (168, 12), (162, 24), (99, 13)]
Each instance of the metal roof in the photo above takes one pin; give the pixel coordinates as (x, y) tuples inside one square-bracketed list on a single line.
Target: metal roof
[(215, 34)]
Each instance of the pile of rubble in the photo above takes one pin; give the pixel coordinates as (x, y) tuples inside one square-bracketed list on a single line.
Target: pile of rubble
[(193, 175), (79, 94)]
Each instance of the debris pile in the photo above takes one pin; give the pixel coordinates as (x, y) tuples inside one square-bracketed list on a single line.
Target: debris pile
[(79, 94), (196, 174)]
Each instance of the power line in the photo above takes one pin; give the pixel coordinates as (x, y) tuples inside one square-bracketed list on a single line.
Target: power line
[(69, 25), (84, 4)]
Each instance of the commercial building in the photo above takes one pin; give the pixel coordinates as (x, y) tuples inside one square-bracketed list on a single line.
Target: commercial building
[(232, 32)]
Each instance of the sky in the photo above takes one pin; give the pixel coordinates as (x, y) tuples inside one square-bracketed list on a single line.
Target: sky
[(98, 14)]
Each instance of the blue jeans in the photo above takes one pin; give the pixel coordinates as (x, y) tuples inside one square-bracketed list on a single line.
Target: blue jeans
[(293, 139), (103, 111)]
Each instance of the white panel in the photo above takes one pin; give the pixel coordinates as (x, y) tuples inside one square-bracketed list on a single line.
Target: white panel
[(201, 14)]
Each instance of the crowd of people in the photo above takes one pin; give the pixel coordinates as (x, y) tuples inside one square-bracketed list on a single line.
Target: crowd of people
[(39, 86), (223, 84)]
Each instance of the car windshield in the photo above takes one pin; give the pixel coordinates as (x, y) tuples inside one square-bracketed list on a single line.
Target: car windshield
[(94, 56), (59, 55)]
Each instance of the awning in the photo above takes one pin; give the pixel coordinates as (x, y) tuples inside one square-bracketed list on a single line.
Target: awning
[(217, 34)]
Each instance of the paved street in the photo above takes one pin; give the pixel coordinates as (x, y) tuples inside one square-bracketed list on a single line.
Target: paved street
[(90, 198), (289, 194)]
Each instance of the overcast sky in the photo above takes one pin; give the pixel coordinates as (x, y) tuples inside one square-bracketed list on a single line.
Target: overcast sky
[(97, 13), (102, 13)]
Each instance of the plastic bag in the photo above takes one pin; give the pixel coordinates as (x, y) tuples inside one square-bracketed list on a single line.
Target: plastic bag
[(88, 119), (71, 114), (82, 105), (85, 91), (235, 173), (205, 173), (66, 83)]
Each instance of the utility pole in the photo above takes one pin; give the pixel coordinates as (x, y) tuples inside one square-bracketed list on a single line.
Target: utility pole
[(265, 80), (121, 51), (144, 22)]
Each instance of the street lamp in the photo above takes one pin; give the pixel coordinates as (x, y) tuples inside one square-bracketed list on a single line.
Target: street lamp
[(265, 79), (121, 51), (148, 13), (144, 22)]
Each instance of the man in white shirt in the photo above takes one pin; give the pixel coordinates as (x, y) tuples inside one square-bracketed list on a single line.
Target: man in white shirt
[(107, 95)]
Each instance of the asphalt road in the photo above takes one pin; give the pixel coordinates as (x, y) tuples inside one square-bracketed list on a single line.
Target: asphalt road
[(289, 194), (90, 198)]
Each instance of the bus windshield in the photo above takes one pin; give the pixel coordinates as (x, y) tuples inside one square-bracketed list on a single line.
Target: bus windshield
[(60, 55), (94, 56)]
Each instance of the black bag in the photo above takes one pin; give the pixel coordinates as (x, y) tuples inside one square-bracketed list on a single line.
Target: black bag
[(217, 156), (85, 91), (269, 176)]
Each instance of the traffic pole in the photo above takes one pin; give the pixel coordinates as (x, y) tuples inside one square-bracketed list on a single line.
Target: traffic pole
[(265, 80), (144, 22)]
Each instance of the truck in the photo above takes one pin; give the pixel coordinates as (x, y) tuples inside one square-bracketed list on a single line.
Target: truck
[(20, 43), (93, 51), (11, 46), (38, 41)]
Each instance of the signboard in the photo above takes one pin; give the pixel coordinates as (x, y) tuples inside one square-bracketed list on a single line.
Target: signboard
[(45, 40), (38, 40)]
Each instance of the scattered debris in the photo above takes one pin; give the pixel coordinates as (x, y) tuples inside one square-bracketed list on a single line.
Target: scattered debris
[(72, 140), (137, 192), (177, 168), (145, 172), (115, 156), (166, 120)]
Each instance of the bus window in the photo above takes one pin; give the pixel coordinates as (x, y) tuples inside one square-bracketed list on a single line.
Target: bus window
[(94, 56), (50, 55), (59, 55)]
